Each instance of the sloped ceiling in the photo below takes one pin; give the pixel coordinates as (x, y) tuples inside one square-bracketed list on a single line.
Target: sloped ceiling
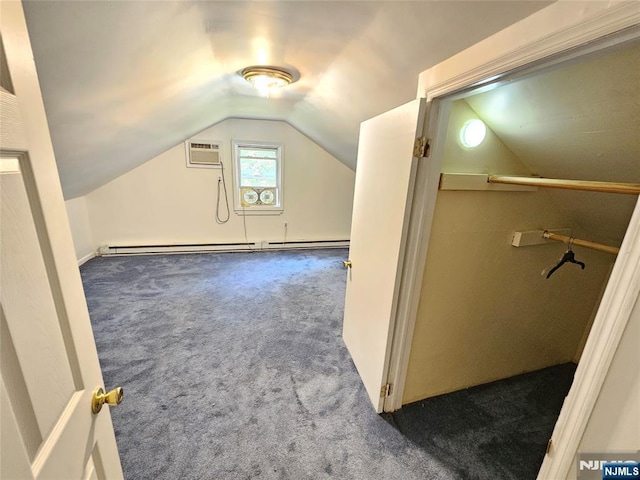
[(582, 122), (124, 81)]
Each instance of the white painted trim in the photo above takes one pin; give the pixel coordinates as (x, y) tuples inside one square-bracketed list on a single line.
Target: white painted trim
[(86, 258), (258, 210), (558, 28), (288, 245), (219, 247), (561, 32), (417, 239)]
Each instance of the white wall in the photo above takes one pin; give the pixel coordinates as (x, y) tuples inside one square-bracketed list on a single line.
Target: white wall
[(164, 202), (80, 229), (486, 310), (614, 424)]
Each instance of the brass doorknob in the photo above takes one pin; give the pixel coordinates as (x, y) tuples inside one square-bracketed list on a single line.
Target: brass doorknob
[(347, 263), (114, 397)]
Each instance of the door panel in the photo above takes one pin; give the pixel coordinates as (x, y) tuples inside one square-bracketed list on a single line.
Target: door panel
[(12, 448), (42, 393), (49, 366), (41, 358), (94, 469), (384, 180), (21, 407)]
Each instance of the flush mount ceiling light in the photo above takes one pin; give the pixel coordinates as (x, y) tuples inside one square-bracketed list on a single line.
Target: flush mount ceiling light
[(266, 78), (472, 133)]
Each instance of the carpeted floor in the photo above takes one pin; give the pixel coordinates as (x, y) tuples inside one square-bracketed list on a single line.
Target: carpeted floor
[(233, 367), (498, 430)]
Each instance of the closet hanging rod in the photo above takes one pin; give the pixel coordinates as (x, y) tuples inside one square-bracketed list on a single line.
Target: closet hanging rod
[(587, 185), (582, 243)]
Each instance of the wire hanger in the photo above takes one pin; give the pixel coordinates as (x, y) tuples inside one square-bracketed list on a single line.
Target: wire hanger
[(568, 257)]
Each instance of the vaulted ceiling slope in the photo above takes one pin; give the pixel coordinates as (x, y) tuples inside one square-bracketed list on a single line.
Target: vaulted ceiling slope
[(124, 81)]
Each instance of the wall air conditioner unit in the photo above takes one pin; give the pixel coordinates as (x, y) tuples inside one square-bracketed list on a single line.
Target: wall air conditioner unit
[(203, 154)]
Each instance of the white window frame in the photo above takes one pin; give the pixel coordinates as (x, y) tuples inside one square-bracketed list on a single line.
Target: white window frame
[(241, 209)]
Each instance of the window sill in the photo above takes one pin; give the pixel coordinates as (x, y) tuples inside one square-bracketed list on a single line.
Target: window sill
[(248, 212)]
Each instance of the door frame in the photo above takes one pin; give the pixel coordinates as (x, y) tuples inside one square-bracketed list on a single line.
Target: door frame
[(561, 32)]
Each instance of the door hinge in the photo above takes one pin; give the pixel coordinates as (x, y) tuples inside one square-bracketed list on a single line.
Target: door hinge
[(549, 445), (386, 390), (421, 147)]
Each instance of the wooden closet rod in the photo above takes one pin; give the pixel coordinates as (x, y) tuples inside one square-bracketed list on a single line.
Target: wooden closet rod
[(590, 186), (582, 243)]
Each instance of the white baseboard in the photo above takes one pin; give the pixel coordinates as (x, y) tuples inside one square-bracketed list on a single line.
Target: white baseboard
[(86, 258), (218, 247)]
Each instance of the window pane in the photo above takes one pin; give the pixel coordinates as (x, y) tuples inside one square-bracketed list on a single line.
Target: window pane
[(258, 153), (257, 172)]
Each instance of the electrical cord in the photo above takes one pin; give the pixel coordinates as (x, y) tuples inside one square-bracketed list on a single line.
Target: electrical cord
[(226, 201), (226, 198), (244, 225), (284, 238)]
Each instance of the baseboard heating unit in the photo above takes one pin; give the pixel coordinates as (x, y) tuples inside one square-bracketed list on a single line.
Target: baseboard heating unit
[(218, 247)]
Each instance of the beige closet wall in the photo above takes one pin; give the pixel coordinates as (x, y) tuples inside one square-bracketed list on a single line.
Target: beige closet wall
[(486, 310)]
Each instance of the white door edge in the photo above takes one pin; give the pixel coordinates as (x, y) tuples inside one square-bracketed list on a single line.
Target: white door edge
[(621, 294), (554, 31), (373, 281), (52, 369), (424, 193)]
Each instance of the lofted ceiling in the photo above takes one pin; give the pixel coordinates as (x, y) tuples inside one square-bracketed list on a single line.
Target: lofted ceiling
[(124, 81), (578, 121)]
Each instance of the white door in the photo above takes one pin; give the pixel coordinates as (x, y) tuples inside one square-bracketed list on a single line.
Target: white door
[(385, 176), (49, 361)]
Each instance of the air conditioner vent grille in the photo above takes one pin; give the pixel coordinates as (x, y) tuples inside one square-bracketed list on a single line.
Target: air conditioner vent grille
[(203, 154), (205, 146)]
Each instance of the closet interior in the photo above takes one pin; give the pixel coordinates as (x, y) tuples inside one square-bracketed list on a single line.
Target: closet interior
[(527, 223)]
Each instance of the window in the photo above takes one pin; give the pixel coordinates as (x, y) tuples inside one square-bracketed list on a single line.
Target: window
[(258, 177)]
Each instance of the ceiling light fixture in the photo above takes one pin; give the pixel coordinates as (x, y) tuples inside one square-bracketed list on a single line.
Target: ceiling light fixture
[(266, 78), (472, 133)]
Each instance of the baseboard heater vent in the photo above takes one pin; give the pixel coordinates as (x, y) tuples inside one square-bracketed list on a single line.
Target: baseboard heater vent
[(218, 247)]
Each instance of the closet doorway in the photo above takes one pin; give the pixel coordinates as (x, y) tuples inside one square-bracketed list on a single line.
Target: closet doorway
[(575, 122), (487, 310)]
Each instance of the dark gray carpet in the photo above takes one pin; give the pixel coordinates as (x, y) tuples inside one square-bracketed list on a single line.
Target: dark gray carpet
[(233, 367), (497, 430)]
